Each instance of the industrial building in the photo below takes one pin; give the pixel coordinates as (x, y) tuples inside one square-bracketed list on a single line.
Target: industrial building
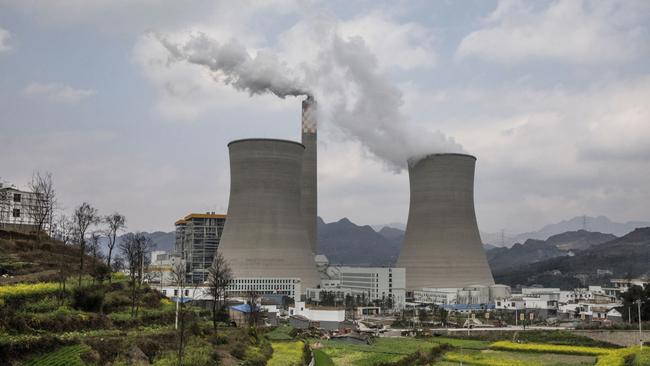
[(265, 235), (470, 295), (442, 246), (384, 284), (197, 240)]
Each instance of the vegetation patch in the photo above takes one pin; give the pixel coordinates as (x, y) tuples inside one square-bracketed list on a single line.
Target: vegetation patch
[(286, 354), (66, 356), (549, 348), (280, 333)]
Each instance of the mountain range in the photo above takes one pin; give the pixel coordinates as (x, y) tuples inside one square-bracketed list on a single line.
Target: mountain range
[(346, 243), (627, 256)]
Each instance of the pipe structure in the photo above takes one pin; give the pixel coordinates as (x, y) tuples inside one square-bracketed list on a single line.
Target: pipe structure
[(265, 235), (442, 245), (309, 181)]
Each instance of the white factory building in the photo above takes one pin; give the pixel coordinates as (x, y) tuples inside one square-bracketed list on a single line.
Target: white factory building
[(370, 283), (470, 295)]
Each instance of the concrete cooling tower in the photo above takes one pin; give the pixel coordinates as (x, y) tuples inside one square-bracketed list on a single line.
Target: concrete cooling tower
[(442, 246), (265, 234), (309, 181)]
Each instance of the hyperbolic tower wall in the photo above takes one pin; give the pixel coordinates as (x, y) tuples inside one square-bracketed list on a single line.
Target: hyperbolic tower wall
[(265, 234), (442, 245)]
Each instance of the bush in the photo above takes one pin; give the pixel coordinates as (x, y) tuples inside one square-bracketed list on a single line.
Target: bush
[(218, 339), (151, 299), (87, 299), (306, 354), (254, 357), (113, 301), (238, 350)]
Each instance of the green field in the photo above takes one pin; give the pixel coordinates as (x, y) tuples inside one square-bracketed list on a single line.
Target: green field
[(473, 352), (286, 353), (66, 356)]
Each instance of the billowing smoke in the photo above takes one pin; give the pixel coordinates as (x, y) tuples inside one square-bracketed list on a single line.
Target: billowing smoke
[(233, 65), (343, 76)]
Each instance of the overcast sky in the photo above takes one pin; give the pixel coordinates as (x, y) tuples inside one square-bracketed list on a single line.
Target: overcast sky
[(552, 97)]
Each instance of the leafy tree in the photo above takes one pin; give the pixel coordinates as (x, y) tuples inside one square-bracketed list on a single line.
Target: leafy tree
[(630, 307)]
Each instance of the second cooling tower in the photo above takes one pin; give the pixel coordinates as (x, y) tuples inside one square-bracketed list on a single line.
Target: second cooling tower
[(442, 246), (265, 234)]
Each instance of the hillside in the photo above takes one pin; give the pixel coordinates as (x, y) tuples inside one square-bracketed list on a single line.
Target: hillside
[(23, 258), (601, 224), (346, 243), (579, 240), (625, 256), (532, 251)]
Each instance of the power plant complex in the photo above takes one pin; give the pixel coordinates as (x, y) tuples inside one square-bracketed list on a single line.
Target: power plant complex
[(269, 237)]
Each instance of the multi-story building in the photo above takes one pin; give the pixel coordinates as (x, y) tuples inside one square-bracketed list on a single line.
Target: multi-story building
[(370, 283), (197, 240), (22, 210), (621, 285)]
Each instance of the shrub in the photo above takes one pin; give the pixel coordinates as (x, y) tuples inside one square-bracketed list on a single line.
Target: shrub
[(218, 339), (254, 357), (113, 301), (238, 350), (151, 299), (87, 299), (306, 354)]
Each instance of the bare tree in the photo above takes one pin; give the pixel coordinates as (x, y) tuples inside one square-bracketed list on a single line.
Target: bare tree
[(115, 222), (84, 216), (252, 297), (179, 279), (64, 229), (136, 248), (4, 204), (220, 277), (42, 207), (93, 248)]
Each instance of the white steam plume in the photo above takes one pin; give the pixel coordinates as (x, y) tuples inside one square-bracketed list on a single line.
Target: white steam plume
[(343, 76), (234, 66)]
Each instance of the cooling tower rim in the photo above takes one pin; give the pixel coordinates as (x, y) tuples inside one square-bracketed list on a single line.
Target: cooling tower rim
[(448, 154), (267, 140)]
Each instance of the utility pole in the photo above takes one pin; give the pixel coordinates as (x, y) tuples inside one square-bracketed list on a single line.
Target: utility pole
[(638, 302)]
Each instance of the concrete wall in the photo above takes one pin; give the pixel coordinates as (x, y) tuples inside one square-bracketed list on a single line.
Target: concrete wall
[(265, 234), (442, 246), (620, 337)]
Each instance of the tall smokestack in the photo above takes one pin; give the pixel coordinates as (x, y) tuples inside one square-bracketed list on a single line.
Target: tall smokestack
[(309, 181), (265, 234), (442, 245)]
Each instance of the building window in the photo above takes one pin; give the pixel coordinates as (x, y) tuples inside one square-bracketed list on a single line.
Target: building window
[(16, 212), (17, 197)]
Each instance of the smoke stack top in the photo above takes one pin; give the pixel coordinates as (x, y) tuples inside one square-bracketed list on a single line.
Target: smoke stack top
[(309, 117)]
